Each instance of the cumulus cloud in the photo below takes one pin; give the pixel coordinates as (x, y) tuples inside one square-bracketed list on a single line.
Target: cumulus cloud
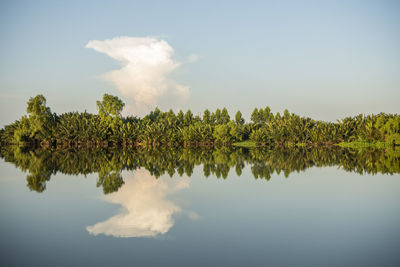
[(146, 210), (146, 64)]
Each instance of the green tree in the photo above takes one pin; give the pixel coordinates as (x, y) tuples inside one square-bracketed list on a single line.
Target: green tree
[(188, 117), (225, 118), (255, 116), (266, 116), (207, 117), (110, 106), (181, 117), (37, 106), (39, 122), (218, 116), (222, 134), (238, 118)]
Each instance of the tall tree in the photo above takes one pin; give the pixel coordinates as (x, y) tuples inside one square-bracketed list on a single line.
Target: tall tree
[(225, 118), (37, 106), (206, 116), (238, 118), (255, 117), (188, 117), (110, 106), (218, 116), (40, 121)]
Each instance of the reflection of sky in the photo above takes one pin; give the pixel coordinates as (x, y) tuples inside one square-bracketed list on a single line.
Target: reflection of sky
[(320, 217), (146, 210)]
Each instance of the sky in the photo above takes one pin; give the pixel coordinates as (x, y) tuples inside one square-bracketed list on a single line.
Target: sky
[(322, 59)]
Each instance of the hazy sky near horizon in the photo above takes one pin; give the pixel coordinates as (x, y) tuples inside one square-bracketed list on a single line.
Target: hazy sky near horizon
[(324, 59)]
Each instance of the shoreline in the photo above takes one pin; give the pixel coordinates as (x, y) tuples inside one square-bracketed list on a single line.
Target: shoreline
[(197, 144)]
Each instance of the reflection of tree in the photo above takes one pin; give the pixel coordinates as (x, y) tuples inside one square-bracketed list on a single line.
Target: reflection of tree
[(37, 181), (110, 181), (109, 163)]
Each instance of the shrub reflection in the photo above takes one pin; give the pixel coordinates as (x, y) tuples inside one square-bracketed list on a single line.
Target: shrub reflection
[(41, 164)]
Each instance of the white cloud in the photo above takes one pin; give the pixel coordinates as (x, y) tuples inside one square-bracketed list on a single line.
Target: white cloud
[(146, 210), (146, 64)]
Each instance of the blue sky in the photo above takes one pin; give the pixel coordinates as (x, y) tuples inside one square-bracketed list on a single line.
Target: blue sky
[(324, 59)]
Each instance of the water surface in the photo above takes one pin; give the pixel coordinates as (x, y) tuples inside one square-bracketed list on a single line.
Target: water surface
[(225, 208)]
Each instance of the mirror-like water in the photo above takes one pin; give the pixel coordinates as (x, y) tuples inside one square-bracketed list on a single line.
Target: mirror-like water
[(187, 207)]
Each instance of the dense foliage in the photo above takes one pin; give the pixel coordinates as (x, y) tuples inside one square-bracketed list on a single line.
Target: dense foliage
[(41, 163), (42, 127)]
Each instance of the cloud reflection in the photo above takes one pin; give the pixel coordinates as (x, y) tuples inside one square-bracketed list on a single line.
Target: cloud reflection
[(146, 210)]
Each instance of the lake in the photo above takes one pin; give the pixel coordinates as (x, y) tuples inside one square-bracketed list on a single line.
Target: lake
[(199, 207)]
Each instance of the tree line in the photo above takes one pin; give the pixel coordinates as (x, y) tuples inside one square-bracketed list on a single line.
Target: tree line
[(109, 128)]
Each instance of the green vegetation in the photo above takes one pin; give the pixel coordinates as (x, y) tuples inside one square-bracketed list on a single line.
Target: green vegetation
[(41, 127), (363, 144), (248, 144), (41, 164)]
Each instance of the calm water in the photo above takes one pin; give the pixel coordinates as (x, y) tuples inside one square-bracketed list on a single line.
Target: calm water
[(319, 216)]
